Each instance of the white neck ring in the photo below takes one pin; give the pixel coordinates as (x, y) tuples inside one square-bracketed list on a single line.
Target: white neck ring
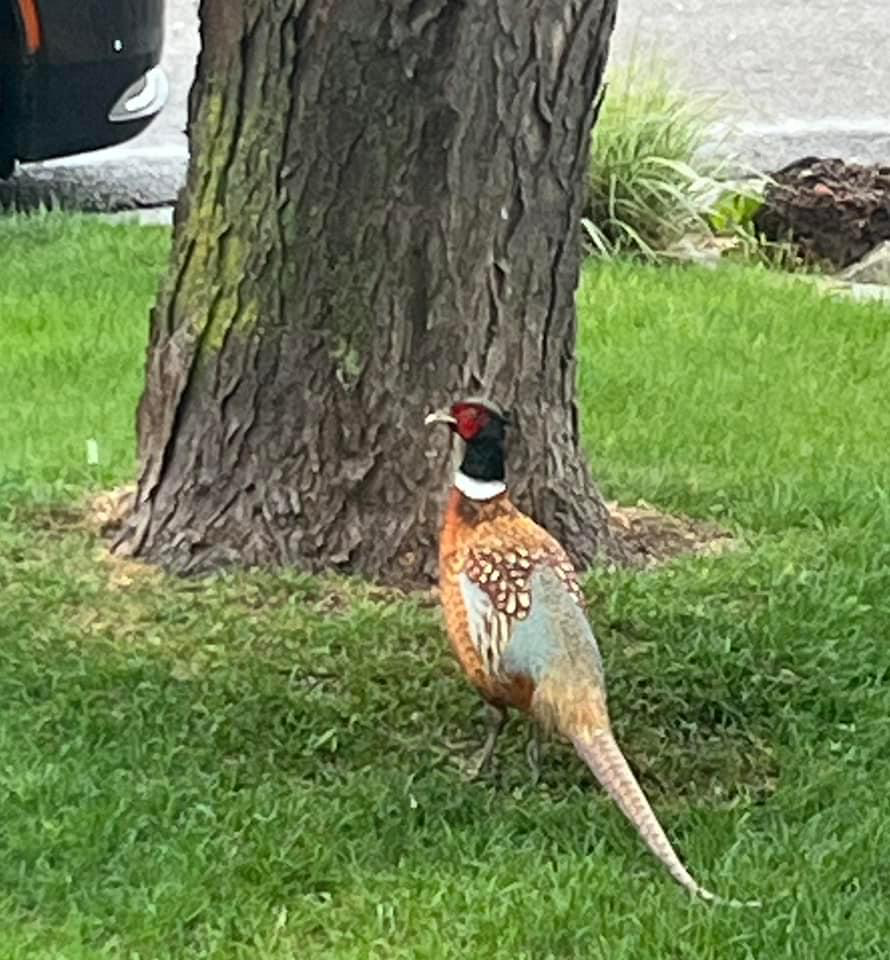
[(474, 489)]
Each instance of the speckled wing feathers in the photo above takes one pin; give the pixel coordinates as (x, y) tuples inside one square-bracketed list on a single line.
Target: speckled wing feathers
[(496, 585), (489, 628), (504, 574)]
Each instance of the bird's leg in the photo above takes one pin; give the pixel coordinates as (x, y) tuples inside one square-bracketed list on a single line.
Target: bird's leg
[(497, 717), (533, 754)]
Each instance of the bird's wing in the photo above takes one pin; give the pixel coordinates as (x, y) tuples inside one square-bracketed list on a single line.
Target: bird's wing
[(490, 628), (555, 638), (519, 603)]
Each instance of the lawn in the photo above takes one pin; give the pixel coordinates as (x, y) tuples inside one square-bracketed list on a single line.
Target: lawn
[(258, 766)]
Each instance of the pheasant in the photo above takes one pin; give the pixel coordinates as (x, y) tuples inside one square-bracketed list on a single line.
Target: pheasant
[(515, 617)]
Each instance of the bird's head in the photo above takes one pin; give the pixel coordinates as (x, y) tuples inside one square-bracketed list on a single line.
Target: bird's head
[(472, 420), (481, 425)]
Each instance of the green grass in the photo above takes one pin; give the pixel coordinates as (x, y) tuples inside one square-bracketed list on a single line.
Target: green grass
[(736, 394), (74, 320), (257, 765)]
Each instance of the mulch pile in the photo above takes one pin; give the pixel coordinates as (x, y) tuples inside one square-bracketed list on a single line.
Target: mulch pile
[(653, 537), (835, 212)]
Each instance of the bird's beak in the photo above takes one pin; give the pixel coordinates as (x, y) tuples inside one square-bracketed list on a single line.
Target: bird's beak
[(440, 416)]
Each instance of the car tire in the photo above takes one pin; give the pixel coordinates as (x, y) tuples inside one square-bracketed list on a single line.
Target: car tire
[(7, 159), (9, 54)]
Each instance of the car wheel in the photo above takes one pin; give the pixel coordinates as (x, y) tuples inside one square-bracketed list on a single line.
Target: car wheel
[(9, 55)]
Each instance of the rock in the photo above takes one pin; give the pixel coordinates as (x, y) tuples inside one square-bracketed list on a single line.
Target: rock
[(835, 212), (693, 249), (704, 250), (864, 292), (874, 267)]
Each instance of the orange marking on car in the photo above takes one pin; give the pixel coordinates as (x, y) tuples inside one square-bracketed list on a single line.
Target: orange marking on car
[(31, 20)]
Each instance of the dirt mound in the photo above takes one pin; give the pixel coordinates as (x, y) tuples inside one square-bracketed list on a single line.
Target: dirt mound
[(106, 510), (835, 212), (653, 537)]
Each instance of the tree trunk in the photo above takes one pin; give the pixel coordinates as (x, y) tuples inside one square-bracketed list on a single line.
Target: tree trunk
[(381, 215)]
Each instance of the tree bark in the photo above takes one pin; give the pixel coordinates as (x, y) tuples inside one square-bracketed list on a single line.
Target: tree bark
[(381, 215)]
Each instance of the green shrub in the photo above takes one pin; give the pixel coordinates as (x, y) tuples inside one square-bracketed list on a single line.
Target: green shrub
[(649, 180)]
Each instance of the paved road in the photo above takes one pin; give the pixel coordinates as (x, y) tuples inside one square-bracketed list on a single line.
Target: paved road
[(795, 77)]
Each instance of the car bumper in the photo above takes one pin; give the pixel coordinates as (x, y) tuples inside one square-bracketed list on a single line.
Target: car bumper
[(73, 108)]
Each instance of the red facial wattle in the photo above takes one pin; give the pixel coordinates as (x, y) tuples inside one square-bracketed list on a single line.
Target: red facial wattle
[(470, 419)]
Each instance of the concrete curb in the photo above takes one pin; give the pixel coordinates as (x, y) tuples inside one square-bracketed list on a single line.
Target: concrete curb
[(122, 181)]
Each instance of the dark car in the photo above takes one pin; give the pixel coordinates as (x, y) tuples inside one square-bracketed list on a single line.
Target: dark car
[(77, 75)]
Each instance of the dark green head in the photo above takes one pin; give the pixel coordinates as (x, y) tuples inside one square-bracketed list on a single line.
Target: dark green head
[(481, 425)]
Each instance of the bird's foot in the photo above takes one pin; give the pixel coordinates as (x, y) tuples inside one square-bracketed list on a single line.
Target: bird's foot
[(476, 767), (481, 762), (471, 761)]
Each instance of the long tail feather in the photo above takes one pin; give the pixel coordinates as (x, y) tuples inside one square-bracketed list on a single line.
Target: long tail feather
[(598, 749)]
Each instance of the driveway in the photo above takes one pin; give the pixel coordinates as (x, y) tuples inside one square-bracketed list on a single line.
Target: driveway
[(795, 78)]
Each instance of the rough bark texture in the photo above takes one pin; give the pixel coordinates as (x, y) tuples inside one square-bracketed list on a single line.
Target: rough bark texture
[(381, 214)]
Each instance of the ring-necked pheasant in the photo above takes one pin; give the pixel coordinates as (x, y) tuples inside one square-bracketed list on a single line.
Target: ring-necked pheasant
[(515, 616)]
